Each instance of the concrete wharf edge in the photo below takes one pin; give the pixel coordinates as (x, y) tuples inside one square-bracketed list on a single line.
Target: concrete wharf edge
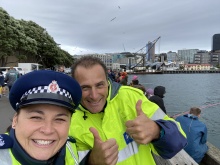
[(212, 157)]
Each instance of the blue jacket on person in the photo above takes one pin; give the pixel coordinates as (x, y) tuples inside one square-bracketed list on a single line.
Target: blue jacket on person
[(196, 133)]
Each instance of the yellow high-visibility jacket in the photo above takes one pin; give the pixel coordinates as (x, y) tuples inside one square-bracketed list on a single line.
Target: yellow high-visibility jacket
[(110, 123)]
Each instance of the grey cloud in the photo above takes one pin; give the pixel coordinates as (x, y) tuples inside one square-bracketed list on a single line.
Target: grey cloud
[(87, 24)]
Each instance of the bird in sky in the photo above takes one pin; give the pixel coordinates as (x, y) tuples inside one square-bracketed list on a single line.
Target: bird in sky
[(113, 19), (119, 7)]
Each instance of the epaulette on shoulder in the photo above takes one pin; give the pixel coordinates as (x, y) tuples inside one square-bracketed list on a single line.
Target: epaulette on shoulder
[(5, 141), (71, 139)]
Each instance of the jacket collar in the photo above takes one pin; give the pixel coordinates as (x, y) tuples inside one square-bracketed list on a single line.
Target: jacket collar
[(191, 116), (24, 158)]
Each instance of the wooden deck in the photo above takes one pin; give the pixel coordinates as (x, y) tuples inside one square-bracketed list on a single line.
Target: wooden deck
[(212, 157), (181, 158)]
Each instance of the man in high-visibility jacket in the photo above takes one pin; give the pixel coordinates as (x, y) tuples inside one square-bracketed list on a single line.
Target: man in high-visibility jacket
[(117, 124)]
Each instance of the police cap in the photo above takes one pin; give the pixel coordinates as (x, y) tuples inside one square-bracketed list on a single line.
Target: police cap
[(45, 87)]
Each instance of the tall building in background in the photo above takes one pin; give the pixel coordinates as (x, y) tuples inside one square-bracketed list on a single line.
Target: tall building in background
[(216, 43), (187, 55), (202, 57), (215, 59), (172, 56), (150, 52)]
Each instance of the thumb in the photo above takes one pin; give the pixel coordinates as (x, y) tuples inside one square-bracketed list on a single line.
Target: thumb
[(96, 136), (138, 108)]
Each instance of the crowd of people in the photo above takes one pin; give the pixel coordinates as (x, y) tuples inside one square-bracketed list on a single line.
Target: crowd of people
[(89, 118), (155, 95)]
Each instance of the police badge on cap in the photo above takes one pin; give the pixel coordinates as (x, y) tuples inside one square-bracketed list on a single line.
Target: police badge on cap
[(53, 87)]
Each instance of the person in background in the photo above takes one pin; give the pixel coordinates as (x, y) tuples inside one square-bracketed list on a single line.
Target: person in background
[(149, 92), (119, 125), (117, 77), (61, 69), (11, 76), (111, 75), (158, 96), (134, 80), (123, 79), (196, 133), (126, 76), (43, 102), (2, 82), (135, 83)]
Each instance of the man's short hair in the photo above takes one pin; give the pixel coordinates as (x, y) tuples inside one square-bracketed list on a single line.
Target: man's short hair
[(195, 111), (88, 62)]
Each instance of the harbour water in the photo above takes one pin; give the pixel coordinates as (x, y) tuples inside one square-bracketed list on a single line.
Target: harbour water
[(187, 90)]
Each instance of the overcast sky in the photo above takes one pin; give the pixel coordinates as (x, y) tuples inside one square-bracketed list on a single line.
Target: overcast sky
[(109, 26)]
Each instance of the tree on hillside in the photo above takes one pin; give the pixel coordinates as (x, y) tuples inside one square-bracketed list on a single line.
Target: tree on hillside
[(7, 41), (48, 52), (29, 42)]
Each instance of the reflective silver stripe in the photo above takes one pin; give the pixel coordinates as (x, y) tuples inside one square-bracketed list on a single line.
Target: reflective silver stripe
[(129, 150), (82, 154), (71, 152), (178, 126), (5, 158), (159, 114)]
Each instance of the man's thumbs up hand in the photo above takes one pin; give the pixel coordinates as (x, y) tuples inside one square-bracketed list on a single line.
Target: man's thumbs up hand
[(142, 129), (103, 152), (97, 139), (138, 108)]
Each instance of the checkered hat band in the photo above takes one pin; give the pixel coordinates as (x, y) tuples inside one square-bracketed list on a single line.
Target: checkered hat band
[(44, 89)]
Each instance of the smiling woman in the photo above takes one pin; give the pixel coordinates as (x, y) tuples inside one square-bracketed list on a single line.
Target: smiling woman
[(44, 103), (42, 129)]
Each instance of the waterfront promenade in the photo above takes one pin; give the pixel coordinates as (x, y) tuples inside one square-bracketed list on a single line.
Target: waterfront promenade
[(6, 114)]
